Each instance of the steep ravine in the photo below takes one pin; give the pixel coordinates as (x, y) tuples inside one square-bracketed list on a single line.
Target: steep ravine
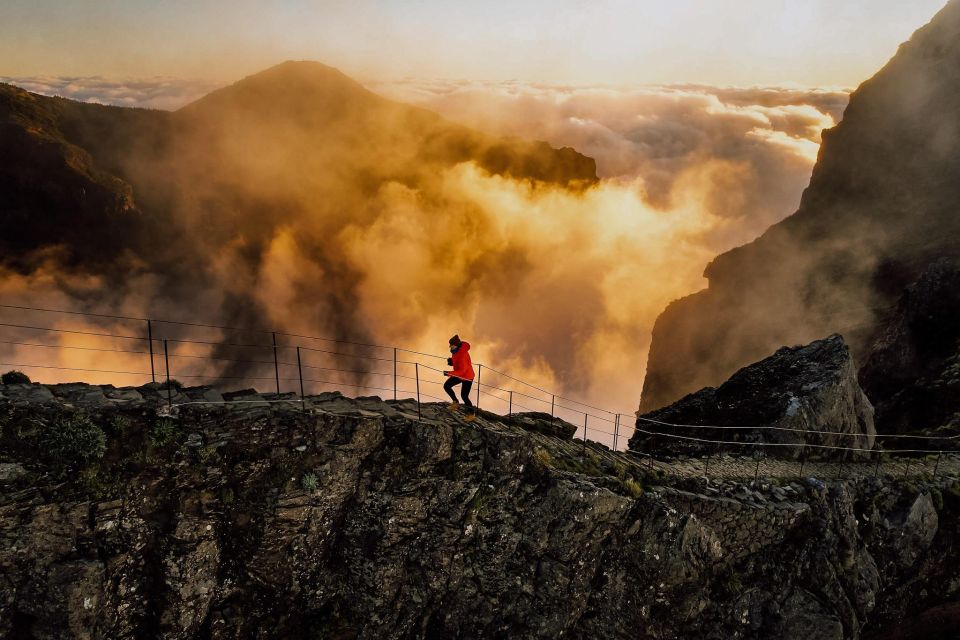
[(354, 520)]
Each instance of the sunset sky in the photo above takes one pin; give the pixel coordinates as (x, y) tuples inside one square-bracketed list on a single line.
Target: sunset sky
[(704, 119), (835, 43)]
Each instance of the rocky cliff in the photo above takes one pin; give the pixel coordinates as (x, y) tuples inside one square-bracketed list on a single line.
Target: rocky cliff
[(354, 519), (806, 395), (913, 368), (882, 204)]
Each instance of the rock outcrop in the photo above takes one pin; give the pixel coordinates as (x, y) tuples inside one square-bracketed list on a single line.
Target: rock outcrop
[(912, 373), (353, 519), (800, 395), (882, 204)]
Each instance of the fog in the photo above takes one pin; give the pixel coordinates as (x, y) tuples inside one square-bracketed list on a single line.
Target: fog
[(303, 203)]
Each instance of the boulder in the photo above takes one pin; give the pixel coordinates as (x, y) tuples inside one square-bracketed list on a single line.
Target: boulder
[(544, 423), (912, 373), (799, 395)]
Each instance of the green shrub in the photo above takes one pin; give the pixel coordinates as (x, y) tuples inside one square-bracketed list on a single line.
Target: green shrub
[(15, 377), (634, 487), (73, 441), (309, 481), (620, 470), (100, 485), (116, 425), (163, 431)]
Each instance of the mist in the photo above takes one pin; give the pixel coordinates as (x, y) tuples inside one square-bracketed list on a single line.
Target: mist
[(326, 210)]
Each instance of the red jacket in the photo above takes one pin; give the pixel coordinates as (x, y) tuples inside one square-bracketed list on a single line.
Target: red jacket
[(462, 367)]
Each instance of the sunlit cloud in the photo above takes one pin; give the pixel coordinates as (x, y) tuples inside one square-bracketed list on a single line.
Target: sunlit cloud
[(749, 150)]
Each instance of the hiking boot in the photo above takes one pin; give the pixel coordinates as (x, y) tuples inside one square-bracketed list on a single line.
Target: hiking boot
[(453, 406)]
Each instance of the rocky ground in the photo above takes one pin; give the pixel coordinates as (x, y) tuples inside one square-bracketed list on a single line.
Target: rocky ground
[(354, 519)]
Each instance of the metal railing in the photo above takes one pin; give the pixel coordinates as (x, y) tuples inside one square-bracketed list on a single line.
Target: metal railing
[(305, 364), (207, 353)]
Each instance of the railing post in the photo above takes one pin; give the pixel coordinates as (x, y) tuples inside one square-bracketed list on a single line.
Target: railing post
[(276, 365), (584, 432), (937, 466), (394, 373), (876, 468), (553, 402), (653, 447), (616, 430), (416, 373), (510, 408), (906, 469), (153, 374), (803, 459), (756, 472), (479, 371), (840, 470), (166, 362), (303, 400)]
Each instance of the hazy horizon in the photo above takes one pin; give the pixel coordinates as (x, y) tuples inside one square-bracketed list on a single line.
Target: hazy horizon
[(818, 43)]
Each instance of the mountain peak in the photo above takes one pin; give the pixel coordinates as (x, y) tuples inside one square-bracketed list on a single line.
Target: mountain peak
[(289, 83)]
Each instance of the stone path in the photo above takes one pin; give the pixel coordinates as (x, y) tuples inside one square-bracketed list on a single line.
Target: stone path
[(725, 467)]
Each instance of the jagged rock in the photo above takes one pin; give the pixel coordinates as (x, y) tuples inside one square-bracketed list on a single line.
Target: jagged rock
[(804, 618), (125, 394), (881, 206), (11, 471), (812, 389), (544, 423), (204, 393), (33, 393), (912, 373), (78, 393)]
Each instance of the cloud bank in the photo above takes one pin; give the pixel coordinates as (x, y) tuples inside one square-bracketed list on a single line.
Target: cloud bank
[(747, 152)]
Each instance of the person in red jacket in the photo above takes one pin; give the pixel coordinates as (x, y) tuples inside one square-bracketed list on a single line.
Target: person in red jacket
[(462, 374)]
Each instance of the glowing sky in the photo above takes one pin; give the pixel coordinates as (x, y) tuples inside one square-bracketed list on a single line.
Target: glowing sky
[(738, 42)]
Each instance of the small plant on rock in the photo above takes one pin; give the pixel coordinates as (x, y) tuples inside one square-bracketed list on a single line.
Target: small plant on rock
[(116, 424), (15, 377), (73, 441), (633, 487), (309, 481), (163, 431)]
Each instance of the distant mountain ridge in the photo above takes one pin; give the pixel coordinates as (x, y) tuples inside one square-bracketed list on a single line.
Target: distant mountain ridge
[(71, 164), (883, 203)]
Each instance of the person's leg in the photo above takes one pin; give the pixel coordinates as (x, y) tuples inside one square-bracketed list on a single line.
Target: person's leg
[(465, 394), (448, 387)]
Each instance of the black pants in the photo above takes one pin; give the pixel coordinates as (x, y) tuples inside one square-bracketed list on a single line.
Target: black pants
[(464, 390)]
